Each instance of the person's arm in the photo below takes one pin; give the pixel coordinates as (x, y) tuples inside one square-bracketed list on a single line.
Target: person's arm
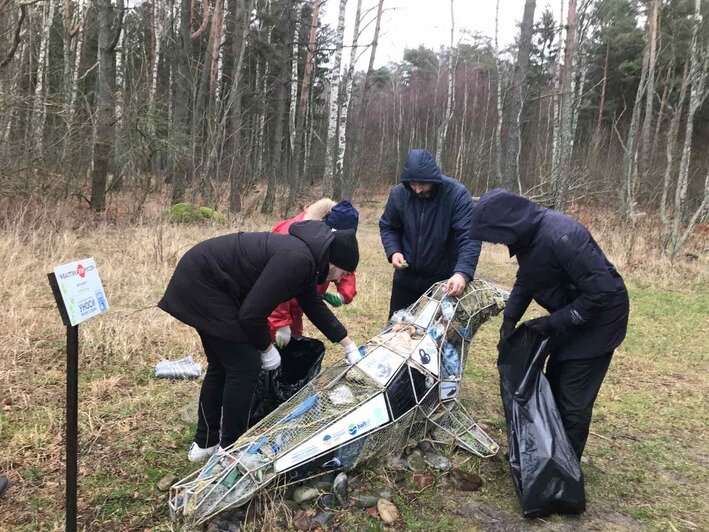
[(275, 285), (518, 302), (322, 317), (586, 267), (347, 288), (391, 227), (468, 249), (281, 316)]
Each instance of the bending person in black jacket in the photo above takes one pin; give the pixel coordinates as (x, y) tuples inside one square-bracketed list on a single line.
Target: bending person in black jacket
[(562, 268), (226, 287), (424, 230)]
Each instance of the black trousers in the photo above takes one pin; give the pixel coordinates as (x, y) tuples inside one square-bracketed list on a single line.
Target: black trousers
[(575, 385), (227, 391), (403, 296)]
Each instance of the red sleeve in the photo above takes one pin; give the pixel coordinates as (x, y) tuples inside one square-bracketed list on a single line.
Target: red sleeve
[(347, 287), (283, 226), (280, 317)]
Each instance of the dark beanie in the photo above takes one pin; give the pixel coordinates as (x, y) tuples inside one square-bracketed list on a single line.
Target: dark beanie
[(343, 216), (344, 251)]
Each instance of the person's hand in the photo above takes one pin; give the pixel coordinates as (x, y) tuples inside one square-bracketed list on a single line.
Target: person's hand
[(455, 285), (352, 354), (334, 299), (398, 261), (270, 358), (542, 325), (506, 330), (283, 335)]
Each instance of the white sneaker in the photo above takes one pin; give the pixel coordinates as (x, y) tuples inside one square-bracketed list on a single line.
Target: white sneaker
[(197, 454)]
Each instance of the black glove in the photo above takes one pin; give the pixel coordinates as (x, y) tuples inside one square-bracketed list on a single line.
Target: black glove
[(542, 325), (508, 327)]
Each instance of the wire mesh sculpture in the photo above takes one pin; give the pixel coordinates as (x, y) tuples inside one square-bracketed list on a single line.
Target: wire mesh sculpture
[(405, 388)]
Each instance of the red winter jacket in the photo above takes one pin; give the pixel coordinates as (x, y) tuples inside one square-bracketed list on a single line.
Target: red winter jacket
[(290, 313)]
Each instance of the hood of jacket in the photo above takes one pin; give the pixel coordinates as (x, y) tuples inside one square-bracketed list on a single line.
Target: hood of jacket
[(420, 167), (318, 237), (502, 217)]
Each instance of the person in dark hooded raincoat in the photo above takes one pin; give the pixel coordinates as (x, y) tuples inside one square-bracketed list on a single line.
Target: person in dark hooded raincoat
[(561, 268), (424, 230), (226, 288)]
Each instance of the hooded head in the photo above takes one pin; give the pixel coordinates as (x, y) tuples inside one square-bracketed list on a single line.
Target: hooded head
[(502, 217), (344, 250), (343, 216), (420, 167)]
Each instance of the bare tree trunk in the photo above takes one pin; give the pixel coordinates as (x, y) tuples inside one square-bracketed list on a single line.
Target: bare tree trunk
[(335, 103), (556, 104), (105, 111), (670, 148), (182, 168), (698, 71), (450, 100), (298, 156), (72, 92), (241, 28), (351, 184), (567, 102), (661, 110), (39, 102), (601, 105), (650, 92), (630, 149), (498, 129), (343, 124), (292, 110), (157, 38), (463, 120), (514, 108)]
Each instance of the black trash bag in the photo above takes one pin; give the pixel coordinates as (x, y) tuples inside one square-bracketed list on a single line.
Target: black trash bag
[(546, 473), (300, 363)]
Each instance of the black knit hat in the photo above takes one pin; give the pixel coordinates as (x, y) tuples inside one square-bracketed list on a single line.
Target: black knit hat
[(344, 251)]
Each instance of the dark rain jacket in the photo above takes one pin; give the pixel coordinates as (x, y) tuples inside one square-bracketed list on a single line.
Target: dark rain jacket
[(228, 286), (562, 268), (431, 233)]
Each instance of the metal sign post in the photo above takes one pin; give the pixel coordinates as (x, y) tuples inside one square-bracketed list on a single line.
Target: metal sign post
[(79, 295)]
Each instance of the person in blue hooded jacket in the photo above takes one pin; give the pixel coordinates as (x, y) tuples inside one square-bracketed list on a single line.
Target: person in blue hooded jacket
[(561, 268), (424, 230)]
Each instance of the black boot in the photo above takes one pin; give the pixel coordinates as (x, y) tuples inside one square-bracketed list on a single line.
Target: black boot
[(4, 484)]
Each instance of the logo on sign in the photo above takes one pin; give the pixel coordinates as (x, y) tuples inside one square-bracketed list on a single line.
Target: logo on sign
[(354, 427), (81, 271)]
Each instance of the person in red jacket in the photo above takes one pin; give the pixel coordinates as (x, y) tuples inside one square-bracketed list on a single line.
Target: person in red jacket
[(287, 319)]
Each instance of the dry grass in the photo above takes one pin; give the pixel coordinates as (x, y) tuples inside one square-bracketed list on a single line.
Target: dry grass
[(132, 434)]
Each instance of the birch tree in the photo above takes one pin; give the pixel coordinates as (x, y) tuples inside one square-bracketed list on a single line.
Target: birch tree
[(39, 102), (645, 139), (450, 99), (514, 108), (343, 123), (698, 71), (335, 103)]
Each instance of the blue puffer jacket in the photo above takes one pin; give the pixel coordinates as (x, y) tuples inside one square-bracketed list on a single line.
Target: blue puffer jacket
[(431, 233), (562, 268)]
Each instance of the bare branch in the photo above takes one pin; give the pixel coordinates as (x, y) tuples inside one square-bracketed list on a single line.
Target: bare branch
[(205, 20)]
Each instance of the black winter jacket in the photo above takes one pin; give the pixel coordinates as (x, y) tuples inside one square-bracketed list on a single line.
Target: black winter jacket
[(431, 233), (228, 286), (562, 268)]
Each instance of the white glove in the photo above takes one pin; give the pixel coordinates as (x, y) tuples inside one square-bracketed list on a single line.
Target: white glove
[(270, 359), (283, 335), (352, 354)]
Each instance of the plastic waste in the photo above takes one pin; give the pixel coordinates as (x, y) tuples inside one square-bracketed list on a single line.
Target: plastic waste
[(447, 309), (301, 362), (436, 331), (185, 368), (451, 361), (402, 316), (546, 473)]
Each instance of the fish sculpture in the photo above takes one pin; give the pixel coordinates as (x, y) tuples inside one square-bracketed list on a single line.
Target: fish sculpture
[(404, 389)]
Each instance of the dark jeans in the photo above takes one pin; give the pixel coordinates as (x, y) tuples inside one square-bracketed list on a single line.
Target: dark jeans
[(227, 390), (402, 297), (575, 385)]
